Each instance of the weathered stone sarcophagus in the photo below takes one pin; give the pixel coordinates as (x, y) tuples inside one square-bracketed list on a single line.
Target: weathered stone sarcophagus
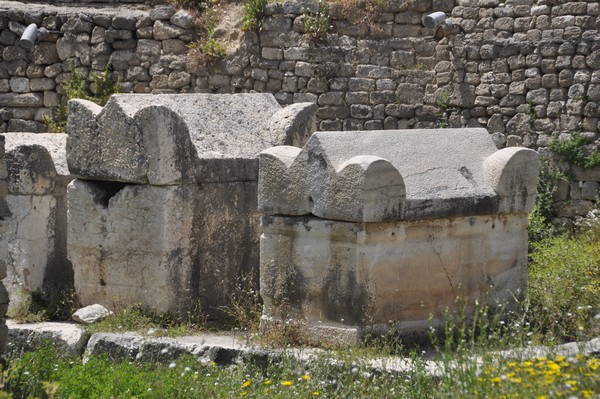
[(4, 227), (164, 212), (362, 229), (37, 244)]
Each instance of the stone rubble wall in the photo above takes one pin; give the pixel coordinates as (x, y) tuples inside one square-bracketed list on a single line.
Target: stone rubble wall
[(524, 69), (4, 227)]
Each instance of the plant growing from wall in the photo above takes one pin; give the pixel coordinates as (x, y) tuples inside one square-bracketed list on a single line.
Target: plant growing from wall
[(254, 12), (78, 85), (572, 150), (533, 116), (208, 49), (443, 102), (317, 25)]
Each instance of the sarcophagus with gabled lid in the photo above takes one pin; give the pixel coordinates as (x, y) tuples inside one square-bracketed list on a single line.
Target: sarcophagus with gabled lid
[(364, 229)]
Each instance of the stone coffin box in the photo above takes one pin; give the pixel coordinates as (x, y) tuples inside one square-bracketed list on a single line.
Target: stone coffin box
[(361, 229), (164, 210), (36, 239)]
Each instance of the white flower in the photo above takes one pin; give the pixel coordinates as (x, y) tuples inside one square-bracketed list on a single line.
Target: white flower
[(172, 365)]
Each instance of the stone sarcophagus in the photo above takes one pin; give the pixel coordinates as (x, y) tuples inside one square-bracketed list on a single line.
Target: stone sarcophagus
[(37, 176), (362, 229), (164, 210)]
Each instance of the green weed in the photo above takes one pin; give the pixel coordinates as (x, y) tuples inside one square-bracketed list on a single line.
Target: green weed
[(572, 150), (253, 14), (564, 284), (540, 219), (208, 49), (98, 89), (317, 25)]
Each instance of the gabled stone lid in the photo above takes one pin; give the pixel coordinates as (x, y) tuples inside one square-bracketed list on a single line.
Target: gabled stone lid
[(391, 175), (174, 138)]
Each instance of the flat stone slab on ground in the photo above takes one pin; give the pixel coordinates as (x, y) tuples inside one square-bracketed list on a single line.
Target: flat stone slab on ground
[(65, 337)]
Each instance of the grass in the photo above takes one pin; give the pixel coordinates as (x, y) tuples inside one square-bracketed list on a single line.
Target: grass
[(45, 373), (138, 319)]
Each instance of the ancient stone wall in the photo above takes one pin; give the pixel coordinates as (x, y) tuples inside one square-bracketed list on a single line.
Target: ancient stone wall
[(524, 69)]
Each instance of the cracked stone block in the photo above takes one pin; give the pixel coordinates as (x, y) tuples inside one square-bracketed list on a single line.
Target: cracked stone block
[(37, 184), (164, 212), (361, 231)]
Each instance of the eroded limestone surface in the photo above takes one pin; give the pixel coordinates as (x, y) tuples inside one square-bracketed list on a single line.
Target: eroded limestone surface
[(362, 229), (164, 212), (37, 182), (4, 226)]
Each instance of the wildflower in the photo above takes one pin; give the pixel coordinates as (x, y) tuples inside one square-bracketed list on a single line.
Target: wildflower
[(306, 377), (496, 380), (246, 383), (243, 393), (172, 365), (268, 382), (287, 383), (316, 393)]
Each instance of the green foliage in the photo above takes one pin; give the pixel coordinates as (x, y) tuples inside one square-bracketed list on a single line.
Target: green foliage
[(539, 227), (572, 150), (540, 219), (564, 283), (317, 25), (443, 101), (43, 374), (33, 308), (245, 305), (253, 14), (533, 116), (77, 86), (208, 49), (140, 319)]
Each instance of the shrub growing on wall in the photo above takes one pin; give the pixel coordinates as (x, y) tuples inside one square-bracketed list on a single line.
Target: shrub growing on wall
[(98, 88)]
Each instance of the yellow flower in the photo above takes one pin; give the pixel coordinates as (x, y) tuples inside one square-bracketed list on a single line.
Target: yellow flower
[(287, 383), (316, 393), (243, 393), (268, 382), (247, 384), (306, 377), (512, 364), (516, 380), (587, 394), (560, 358), (541, 397), (496, 380), (571, 382)]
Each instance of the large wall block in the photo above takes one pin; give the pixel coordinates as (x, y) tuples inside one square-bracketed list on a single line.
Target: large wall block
[(163, 212), (360, 229)]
